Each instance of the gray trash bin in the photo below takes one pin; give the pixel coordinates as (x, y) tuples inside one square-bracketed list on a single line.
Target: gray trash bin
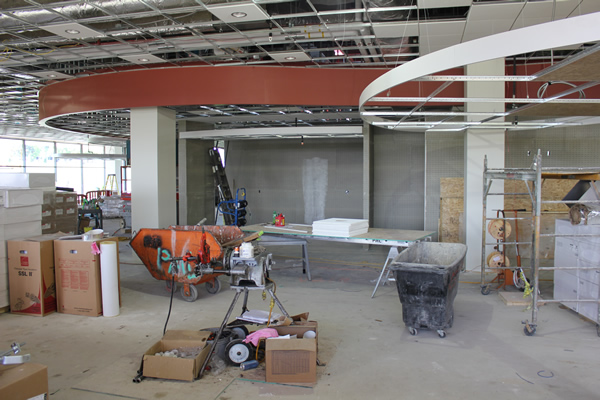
[(427, 281)]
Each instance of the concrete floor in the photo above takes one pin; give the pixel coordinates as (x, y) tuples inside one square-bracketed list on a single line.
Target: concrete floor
[(367, 349)]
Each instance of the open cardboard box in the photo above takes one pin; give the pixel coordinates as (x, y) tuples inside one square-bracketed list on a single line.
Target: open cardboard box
[(292, 360), (23, 381), (184, 369)]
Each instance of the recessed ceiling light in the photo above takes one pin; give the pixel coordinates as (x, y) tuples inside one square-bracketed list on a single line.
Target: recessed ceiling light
[(290, 58), (72, 31), (239, 14), (143, 59), (52, 76)]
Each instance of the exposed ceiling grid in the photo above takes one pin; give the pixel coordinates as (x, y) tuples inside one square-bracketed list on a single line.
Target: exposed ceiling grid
[(115, 35)]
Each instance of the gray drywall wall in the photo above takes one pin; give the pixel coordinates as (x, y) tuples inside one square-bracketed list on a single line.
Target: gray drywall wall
[(444, 159), (560, 147), (399, 173), (196, 182), (320, 179)]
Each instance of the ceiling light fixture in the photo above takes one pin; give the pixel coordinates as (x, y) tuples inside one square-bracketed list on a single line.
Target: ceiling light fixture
[(143, 59), (290, 58), (52, 76), (72, 31), (239, 14)]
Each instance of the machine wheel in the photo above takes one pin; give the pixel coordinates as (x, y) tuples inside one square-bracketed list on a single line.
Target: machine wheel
[(213, 286), (441, 333), (412, 331), (529, 330), (237, 352), (193, 293), (239, 332), (168, 285), (485, 290)]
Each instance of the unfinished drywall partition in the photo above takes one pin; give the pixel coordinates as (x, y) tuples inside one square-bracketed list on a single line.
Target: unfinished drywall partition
[(444, 159), (196, 182), (321, 178), (399, 174)]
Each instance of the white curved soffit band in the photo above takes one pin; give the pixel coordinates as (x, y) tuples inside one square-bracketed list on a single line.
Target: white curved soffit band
[(565, 32)]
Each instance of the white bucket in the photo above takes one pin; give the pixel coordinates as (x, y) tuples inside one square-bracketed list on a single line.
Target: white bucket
[(246, 250)]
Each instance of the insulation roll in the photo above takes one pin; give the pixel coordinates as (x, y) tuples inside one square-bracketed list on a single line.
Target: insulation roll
[(584, 214), (109, 273)]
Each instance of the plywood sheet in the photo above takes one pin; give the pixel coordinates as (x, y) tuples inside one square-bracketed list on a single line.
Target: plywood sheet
[(451, 220), (451, 225), (582, 70)]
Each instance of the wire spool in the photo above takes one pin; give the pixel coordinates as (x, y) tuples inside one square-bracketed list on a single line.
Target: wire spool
[(500, 229), (497, 260)]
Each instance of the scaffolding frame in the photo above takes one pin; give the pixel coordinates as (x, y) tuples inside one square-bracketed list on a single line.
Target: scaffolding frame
[(533, 178)]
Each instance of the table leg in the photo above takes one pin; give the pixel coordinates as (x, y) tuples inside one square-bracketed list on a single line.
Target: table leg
[(391, 254), (305, 264)]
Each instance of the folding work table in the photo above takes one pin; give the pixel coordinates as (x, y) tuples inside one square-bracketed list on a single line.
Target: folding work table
[(297, 234)]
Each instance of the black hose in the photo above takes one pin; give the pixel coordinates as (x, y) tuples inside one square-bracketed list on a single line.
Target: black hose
[(170, 303)]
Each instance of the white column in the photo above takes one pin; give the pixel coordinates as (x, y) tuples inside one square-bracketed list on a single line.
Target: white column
[(153, 197), (478, 144)]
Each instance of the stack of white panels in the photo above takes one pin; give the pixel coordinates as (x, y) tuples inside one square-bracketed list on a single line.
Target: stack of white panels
[(340, 227), (21, 198)]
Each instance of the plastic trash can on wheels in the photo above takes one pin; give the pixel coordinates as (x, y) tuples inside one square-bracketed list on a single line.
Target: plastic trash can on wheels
[(427, 281)]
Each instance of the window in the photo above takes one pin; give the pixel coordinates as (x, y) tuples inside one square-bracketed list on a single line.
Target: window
[(39, 157), (11, 155), (69, 170)]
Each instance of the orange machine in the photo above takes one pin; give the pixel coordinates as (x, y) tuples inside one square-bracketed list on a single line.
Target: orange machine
[(187, 254)]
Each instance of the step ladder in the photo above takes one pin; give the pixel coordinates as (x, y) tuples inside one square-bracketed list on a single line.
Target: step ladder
[(222, 185), (111, 179)]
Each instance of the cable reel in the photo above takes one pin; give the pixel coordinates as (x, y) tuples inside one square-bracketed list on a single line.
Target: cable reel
[(500, 229)]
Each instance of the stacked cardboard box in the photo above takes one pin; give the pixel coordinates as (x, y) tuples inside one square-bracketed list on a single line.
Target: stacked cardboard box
[(20, 215), (59, 212)]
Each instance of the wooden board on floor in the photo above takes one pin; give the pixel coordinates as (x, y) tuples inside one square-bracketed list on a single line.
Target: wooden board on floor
[(514, 298)]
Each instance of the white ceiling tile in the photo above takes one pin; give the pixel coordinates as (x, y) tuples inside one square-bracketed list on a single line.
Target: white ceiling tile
[(142, 59), (588, 6), (226, 13), (438, 35), (489, 19), (290, 56), (72, 31), (443, 3), (534, 13), (395, 29), (441, 28)]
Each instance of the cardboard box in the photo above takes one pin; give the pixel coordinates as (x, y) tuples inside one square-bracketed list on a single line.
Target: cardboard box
[(184, 369), (292, 360), (15, 215), (21, 197), (27, 180), (31, 275), (77, 270), (24, 381)]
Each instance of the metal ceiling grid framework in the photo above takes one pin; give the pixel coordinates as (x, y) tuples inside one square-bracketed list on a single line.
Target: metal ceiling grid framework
[(45, 41), (571, 104)]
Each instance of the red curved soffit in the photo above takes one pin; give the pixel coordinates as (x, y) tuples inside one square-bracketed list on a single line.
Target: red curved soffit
[(214, 85)]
